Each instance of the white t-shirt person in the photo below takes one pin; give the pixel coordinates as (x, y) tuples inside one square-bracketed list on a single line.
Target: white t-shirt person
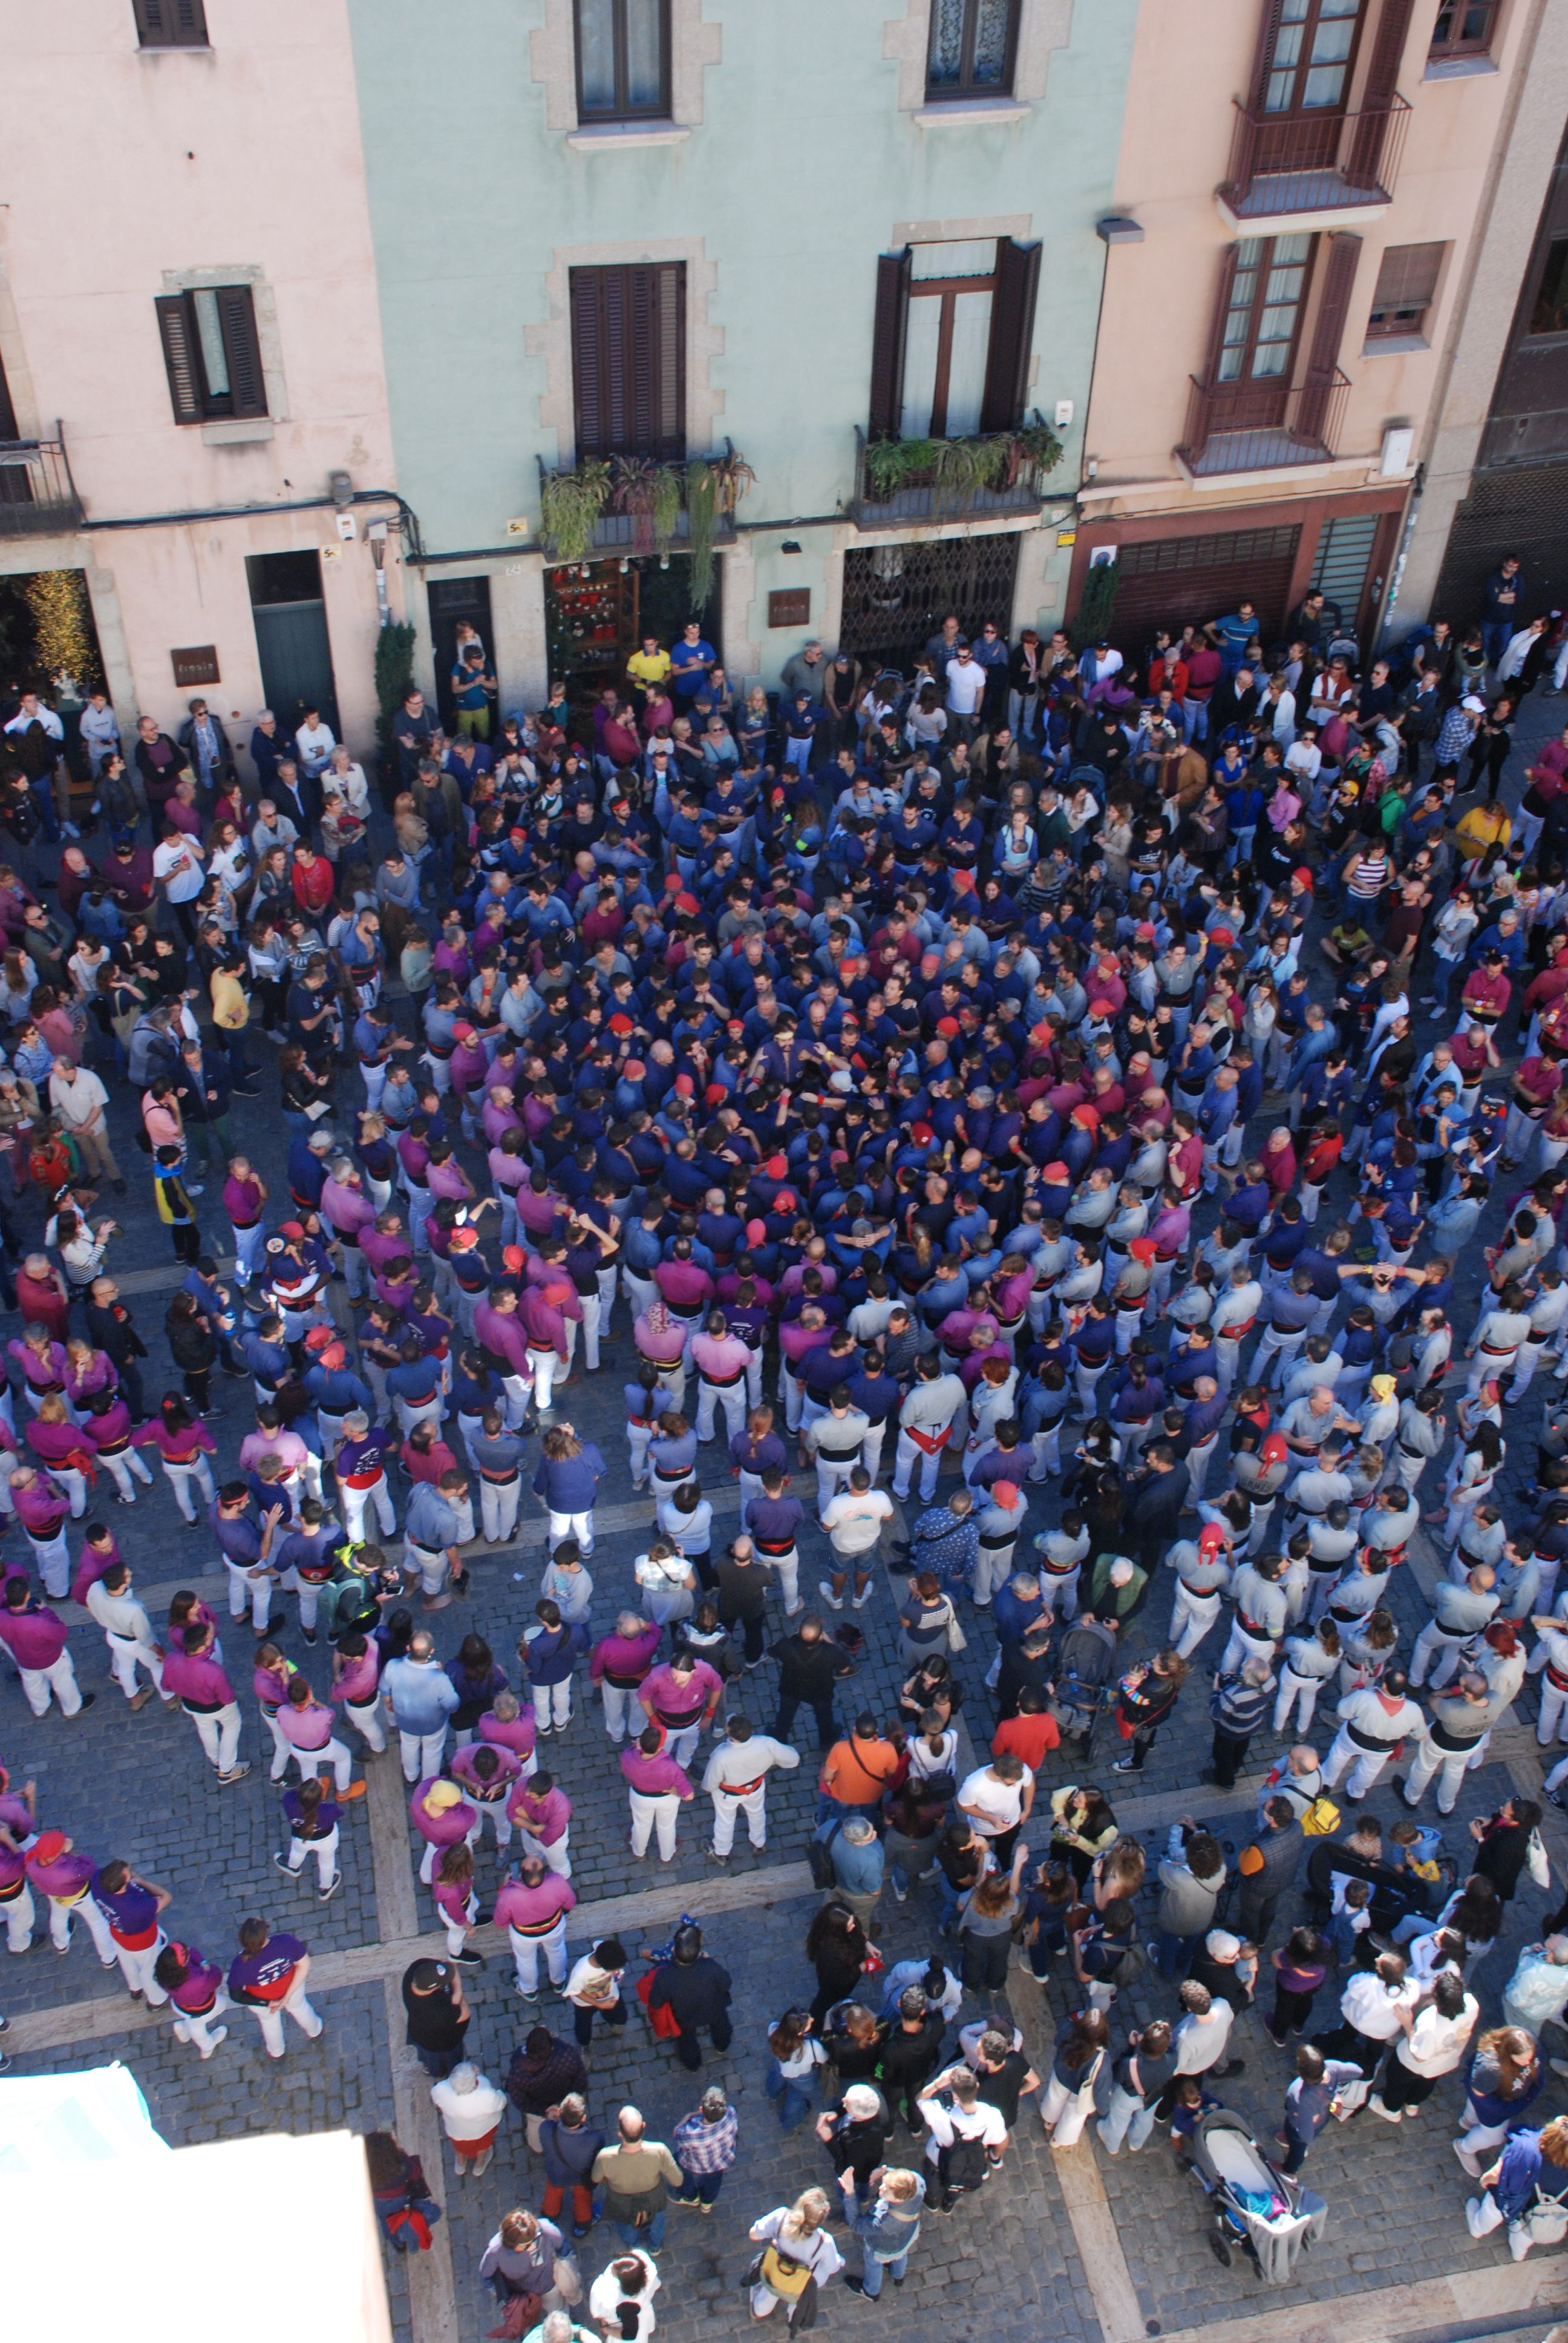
[(991, 1804), (966, 684), (177, 864)]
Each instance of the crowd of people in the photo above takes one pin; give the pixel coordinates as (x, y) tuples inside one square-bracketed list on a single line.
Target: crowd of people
[(1002, 1074)]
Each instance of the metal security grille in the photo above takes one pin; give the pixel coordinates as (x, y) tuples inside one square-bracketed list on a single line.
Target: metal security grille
[(1343, 558), (897, 595), (1167, 581), (1524, 512)]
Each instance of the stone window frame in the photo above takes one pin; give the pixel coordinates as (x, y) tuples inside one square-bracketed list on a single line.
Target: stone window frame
[(551, 339), (270, 341), (695, 46), (1044, 25)]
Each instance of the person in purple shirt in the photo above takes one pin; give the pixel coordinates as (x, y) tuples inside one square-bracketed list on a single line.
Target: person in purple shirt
[(772, 1519), (567, 1478), (207, 1695), (657, 1788), (195, 1989), (36, 1638), (360, 1466), (267, 1976), (619, 1664), (132, 1907), (64, 1879), (751, 1452)]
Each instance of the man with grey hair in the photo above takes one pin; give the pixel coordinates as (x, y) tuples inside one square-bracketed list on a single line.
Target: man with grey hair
[(471, 2110), (858, 1863), (361, 1477), (420, 1696)]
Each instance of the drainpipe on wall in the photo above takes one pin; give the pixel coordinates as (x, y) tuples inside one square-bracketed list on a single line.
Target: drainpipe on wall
[(1412, 514)]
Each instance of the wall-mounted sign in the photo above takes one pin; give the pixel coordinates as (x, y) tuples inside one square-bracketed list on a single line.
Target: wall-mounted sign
[(789, 606), (197, 665)]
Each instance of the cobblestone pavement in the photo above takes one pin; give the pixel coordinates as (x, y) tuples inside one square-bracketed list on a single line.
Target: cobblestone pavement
[(1009, 2264)]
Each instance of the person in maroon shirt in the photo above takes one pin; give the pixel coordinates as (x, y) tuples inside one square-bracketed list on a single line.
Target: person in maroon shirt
[(36, 1638)]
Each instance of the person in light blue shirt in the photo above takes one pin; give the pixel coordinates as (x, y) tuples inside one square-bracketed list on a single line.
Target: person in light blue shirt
[(421, 1696)]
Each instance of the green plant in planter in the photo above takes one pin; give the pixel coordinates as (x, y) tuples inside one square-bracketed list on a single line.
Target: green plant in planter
[(1095, 604), (701, 523), (394, 674), (570, 506), (649, 494)]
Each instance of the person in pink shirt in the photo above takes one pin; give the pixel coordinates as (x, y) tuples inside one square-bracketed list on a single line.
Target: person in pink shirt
[(443, 1817), (36, 1638), (306, 1725), (457, 1905), (99, 1554), (183, 1446), (355, 1672), (193, 1675), (487, 1775), (502, 1336), (44, 1362), (508, 1725), (721, 1359), (681, 1698), (660, 1339), (684, 1287), (543, 1310), (543, 1814), (348, 1210), (43, 1512), (18, 1822), (532, 1907), (657, 1788), (65, 1880), (245, 1201), (619, 1665), (68, 1455)]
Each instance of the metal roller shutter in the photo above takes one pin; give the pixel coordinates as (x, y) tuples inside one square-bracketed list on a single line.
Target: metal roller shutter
[(1168, 580)]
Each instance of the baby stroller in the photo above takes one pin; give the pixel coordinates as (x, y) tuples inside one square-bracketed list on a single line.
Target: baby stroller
[(1255, 2206), (1083, 1689)]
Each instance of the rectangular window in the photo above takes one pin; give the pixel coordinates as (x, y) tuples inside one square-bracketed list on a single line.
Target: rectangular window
[(949, 338), (171, 24), (1463, 28), (1262, 317), (212, 355), (972, 46), (1548, 310), (1406, 282), (628, 360), (1314, 47), (623, 59)]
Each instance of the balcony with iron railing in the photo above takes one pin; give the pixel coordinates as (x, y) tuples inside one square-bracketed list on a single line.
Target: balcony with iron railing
[(903, 481), (1285, 164), (38, 495), (1252, 427)]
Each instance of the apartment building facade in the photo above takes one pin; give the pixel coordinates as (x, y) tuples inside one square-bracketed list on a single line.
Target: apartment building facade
[(815, 286), (1300, 195), (192, 414)]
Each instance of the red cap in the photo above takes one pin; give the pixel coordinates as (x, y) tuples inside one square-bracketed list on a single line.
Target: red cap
[(634, 1069), (1273, 1450), (948, 1026), (1005, 1491), (464, 1034), (320, 1338), (49, 1845), (513, 1258), (333, 1354), (1056, 1172), (1102, 1009), (921, 1133), (1221, 936), (1143, 1248), (1086, 1115), (1211, 1538), (291, 1229), (776, 1167), (462, 1240), (756, 1233), (785, 1201), (619, 1024)]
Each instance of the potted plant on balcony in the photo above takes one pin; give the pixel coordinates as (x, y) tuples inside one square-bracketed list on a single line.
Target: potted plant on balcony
[(714, 486), (956, 469), (570, 505)]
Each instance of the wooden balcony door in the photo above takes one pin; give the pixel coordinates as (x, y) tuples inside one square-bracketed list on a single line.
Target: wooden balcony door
[(1259, 329)]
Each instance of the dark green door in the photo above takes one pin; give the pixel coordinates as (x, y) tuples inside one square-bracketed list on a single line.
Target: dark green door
[(291, 637)]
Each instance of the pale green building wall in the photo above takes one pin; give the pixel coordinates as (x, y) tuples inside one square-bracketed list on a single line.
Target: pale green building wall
[(802, 157)]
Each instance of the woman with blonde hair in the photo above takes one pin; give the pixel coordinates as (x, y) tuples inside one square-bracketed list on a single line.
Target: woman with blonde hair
[(797, 2252), (1507, 2076)]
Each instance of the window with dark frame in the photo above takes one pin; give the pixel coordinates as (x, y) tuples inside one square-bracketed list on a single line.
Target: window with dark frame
[(1406, 282), (1463, 29), (1314, 52), (212, 355), (622, 59), (1548, 310), (171, 24), (973, 45), (951, 338), (628, 360), (1263, 313)]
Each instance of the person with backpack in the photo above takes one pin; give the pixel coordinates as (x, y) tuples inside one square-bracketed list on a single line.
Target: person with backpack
[(1527, 2186), (963, 2130), (1266, 1868), (798, 2258)]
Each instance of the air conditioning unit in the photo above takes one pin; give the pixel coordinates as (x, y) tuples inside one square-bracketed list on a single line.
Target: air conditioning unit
[(1398, 451)]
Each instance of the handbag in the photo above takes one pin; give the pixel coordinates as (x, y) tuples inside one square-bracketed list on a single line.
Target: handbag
[(568, 2283), (956, 1639), (1321, 1819), (521, 2315)]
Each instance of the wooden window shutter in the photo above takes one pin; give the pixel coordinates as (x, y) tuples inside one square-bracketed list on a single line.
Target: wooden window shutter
[(1377, 98), (659, 360), (171, 24), (1387, 55), (893, 273), (1011, 336), (1341, 259), (1407, 276), (179, 358), (588, 362), (1267, 34), (1222, 311), (236, 315)]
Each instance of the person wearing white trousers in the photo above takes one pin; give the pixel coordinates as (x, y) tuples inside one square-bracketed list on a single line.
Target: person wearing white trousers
[(649, 1815), (184, 1971), (128, 1633), (59, 1679), (358, 1502), (131, 1909), (1373, 1723), (532, 1907), (308, 1838), (121, 1464), (179, 1478), (1552, 1655), (1457, 1726), (269, 2015), (499, 1496), (1064, 2111)]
